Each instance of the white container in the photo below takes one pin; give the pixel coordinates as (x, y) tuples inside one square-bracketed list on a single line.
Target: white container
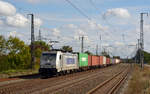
[(104, 60), (69, 61), (117, 61)]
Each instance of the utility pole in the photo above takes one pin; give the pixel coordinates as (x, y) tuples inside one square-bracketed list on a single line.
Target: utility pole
[(40, 36), (32, 40), (100, 38), (97, 49), (123, 38), (142, 40), (82, 44), (138, 51), (138, 44)]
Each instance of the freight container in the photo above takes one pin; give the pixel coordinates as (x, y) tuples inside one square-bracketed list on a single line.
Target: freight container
[(104, 60), (101, 60), (83, 60), (110, 60), (117, 61), (107, 61), (95, 61), (89, 60), (113, 61), (69, 61)]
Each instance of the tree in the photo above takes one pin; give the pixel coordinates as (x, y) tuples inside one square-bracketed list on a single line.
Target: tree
[(118, 57), (2, 45), (18, 53), (105, 54), (88, 52), (15, 45), (42, 45), (67, 48), (146, 57), (39, 47)]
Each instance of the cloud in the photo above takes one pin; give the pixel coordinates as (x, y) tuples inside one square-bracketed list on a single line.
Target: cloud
[(7, 9), (13, 19), (119, 43), (117, 12), (40, 1), (80, 32), (33, 1), (1, 22), (93, 26), (14, 34), (56, 32), (17, 20), (72, 26), (38, 22), (43, 1)]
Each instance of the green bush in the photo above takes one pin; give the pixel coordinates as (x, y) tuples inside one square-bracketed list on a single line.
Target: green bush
[(15, 54)]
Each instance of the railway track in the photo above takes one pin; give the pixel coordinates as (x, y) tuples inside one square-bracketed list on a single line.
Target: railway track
[(67, 84), (74, 87), (55, 84), (112, 85)]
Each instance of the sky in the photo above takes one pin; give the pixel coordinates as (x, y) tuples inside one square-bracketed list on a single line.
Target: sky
[(110, 24)]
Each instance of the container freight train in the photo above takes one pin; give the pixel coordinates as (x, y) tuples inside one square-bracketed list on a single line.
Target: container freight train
[(58, 62)]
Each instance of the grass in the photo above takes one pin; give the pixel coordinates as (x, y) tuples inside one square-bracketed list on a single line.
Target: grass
[(139, 82), (17, 72)]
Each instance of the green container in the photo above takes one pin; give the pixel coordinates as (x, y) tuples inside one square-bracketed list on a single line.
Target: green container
[(83, 59), (110, 61)]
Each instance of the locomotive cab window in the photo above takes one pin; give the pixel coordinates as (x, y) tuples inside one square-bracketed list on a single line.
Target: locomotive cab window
[(60, 57), (48, 58)]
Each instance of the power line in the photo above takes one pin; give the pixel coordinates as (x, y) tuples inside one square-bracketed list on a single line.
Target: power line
[(80, 11), (93, 4)]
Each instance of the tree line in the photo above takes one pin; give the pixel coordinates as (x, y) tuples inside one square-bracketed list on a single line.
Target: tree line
[(15, 54)]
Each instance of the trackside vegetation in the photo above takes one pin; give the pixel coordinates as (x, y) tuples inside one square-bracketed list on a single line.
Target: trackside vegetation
[(15, 54), (140, 81)]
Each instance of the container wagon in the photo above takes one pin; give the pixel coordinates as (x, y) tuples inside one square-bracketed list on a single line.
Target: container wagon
[(104, 61), (83, 61), (89, 61), (95, 61), (101, 60), (58, 62), (107, 61)]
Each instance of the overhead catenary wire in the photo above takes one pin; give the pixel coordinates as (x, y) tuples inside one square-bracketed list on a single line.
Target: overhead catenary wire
[(105, 20), (83, 14), (113, 29), (93, 4), (80, 11)]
